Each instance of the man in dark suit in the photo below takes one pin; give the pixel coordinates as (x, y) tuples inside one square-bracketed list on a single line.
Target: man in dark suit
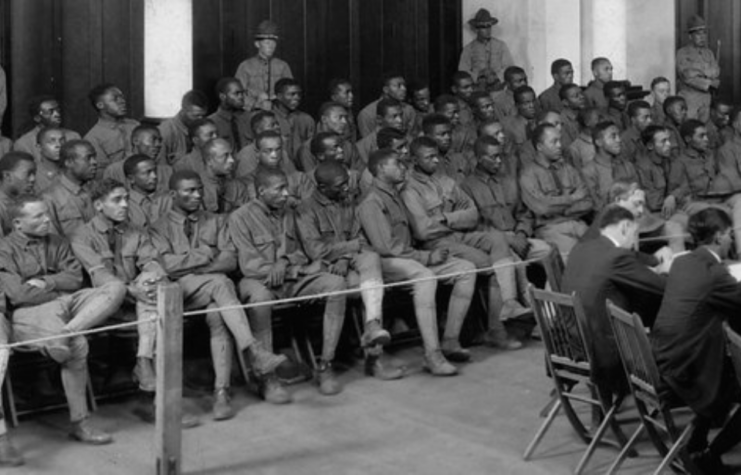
[(608, 268), (688, 339)]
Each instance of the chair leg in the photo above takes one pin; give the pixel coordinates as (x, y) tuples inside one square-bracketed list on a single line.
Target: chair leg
[(10, 401), (624, 453), (547, 408), (542, 430), (92, 403), (606, 422), (678, 445)]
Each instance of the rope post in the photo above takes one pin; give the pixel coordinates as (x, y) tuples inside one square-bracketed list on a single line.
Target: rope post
[(169, 399)]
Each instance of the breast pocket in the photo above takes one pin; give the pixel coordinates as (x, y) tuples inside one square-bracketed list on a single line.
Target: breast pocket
[(265, 244)]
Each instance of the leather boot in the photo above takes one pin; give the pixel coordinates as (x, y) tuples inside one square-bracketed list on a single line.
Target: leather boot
[(264, 361), (374, 334), (273, 390), (325, 379), (222, 405), (374, 366), (82, 431), (453, 351), (9, 455), (437, 365), (500, 339)]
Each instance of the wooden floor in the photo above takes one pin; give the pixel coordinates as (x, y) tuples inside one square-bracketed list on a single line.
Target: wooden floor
[(475, 423)]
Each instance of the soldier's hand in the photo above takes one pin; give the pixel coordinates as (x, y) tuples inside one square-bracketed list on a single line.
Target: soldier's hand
[(438, 256), (670, 206), (277, 274), (520, 244), (38, 283), (341, 267)]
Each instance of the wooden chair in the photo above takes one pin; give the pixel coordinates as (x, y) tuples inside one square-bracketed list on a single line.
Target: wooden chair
[(643, 377), (568, 360), (554, 268)]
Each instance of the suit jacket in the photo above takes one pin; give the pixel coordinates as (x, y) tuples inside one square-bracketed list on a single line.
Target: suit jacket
[(688, 340), (598, 270)]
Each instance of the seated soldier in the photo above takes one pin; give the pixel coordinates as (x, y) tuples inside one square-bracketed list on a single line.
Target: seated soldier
[(111, 135), (273, 267), (653, 177), (296, 126), (527, 153), (270, 155), (519, 127), (494, 129), (675, 112), (222, 193), (68, 198), (147, 140), (48, 148), (419, 93), (617, 103), (504, 100), (247, 158), (17, 178), (386, 138), (383, 218), (555, 192), (462, 89), (327, 146), (42, 281), (639, 115), (200, 132), (333, 118), (196, 252), (496, 193), (394, 88), (695, 180), (572, 103), (462, 136), (340, 91), (602, 72), (389, 113), (582, 151), (608, 165), (719, 129), (562, 73), (230, 119), (330, 232), (442, 216), (146, 204), (482, 107), (110, 249), (45, 111), (438, 128), (174, 131), (660, 90)]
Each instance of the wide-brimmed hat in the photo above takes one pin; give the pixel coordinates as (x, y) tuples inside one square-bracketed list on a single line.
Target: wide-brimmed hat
[(483, 18), (267, 30), (696, 22)]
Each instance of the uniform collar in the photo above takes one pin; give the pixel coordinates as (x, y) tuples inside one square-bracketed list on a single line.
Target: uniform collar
[(100, 224), (110, 124), (547, 164), (24, 241), (72, 187), (179, 217), (385, 187)]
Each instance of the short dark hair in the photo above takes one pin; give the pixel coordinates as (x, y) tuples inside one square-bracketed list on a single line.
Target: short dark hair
[(326, 171), (328, 106), (194, 98), (389, 76), (45, 130), (316, 146), (335, 84), (670, 101), (417, 85), (141, 128), (100, 189), (458, 76), (258, 117), (565, 89), (647, 136), (433, 120), (131, 163), (597, 61), (264, 175), (419, 143), (476, 95), (10, 161), (223, 83), (486, 123), (180, 176), (635, 106), (482, 143), (704, 224), (584, 115), (611, 86), (599, 130), (558, 64), (688, 128), (443, 100), (543, 115), (379, 157), (34, 105), (383, 106), (69, 150), (658, 80), (720, 101), (387, 135), (621, 190), (615, 214), (99, 91), (268, 134), (539, 133), (520, 91), (283, 84), (511, 71), (19, 204), (196, 125)]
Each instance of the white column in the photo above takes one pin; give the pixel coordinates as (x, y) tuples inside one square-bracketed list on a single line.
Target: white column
[(168, 55)]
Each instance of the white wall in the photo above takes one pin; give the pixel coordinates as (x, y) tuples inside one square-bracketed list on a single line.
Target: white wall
[(637, 35)]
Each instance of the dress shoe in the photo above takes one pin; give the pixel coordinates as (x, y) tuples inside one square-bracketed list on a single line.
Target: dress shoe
[(514, 309), (82, 431), (222, 405), (147, 412), (264, 361), (144, 375), (273, 390), (453, 351), (436, 364), (374, 334), (9, 455), (374, 366), (326, 380), (500, 339)]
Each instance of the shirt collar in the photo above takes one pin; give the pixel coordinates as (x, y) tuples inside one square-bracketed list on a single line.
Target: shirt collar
[(179, 217), (24, 241), (321, 199), (267, 211), (547, 164), (138, 197), (603, 159), (103, 226), (110, 124), (67, 183), (385, 187), (224, 114)]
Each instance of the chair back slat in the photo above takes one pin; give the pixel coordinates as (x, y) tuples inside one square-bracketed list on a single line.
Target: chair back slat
[(554, 268), (560, 318), (734, 348), (635, 351)]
